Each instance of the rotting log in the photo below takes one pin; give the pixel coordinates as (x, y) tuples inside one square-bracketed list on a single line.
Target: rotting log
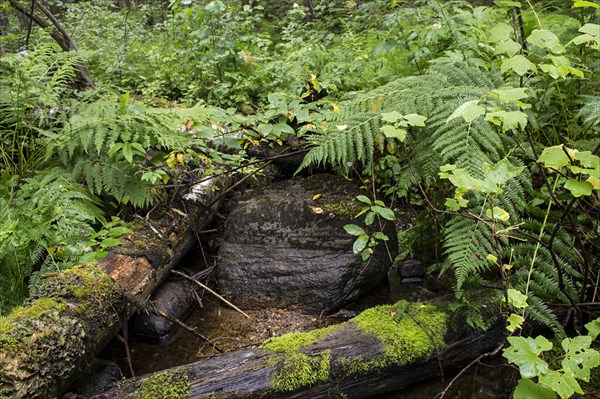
[(50, 339), (383, 349)]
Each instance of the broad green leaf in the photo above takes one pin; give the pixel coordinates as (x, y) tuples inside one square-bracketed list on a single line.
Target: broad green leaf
[(582, 3), (579, 188), (365, 254), (390, 131), (514, 321), (492, 258), (110, 242), (127, 153), (364, 199), (591, 29), (385, 213), (415, 119), (119, 231), (547, 40), (452, 204), (527, 389), (594, 181), (593, 328), (497, 213), (354, 230), (508, 47), (507, 3), (370, 218), (508, 120), (580, 358), (391, 116), (518, 64), (469, 111), (554, 157), (360, 243), (500, 32), (524, 353), (510, 94), (563, 384), (380, 236), (587, 159), (447, 167), (517, 298), (501, 172)]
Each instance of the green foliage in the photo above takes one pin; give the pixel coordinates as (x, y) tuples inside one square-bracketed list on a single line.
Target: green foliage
[(365, 243), (578, 357)]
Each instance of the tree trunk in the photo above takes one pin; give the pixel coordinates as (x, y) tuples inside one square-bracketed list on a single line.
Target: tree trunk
[(64, 40), (46, 343), (341, 362)]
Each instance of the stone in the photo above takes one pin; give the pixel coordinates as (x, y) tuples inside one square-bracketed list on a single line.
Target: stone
[(285, 246), (98, 378), (411, 268), (174, 298)]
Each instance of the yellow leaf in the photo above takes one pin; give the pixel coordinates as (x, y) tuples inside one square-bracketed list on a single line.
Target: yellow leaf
[(595, 182), (336, 108), (316, 210), (316, 197)]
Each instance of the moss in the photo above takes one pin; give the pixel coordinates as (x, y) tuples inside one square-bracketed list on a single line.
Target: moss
[(294, 368), (141, 244), (300, 370), (293, 342), (34, 310), (407, 331), (172, 384), (347, 208)]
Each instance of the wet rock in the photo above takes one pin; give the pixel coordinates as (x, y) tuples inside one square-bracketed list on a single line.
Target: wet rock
[(285, 246), (411, 268), (174, 298), (98, 378)]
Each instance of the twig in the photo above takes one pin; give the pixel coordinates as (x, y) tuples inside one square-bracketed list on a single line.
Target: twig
[(209, 290), (150, 226), (186, 328), (468, 366)]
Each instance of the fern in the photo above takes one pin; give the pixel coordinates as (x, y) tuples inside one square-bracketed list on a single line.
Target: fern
[(95, 143)]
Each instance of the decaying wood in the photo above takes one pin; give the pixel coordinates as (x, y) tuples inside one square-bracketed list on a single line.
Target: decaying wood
[(251, 373), (71, 318)]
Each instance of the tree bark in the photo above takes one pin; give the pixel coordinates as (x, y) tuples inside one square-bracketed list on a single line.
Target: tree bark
[(64, 40), (45, 344), (254, 373)]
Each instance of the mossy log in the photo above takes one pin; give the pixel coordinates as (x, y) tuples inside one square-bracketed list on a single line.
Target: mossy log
[(50, 339), (383, 349)]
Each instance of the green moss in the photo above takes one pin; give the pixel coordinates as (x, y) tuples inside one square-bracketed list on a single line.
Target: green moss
[(347, 208), (296, 369), (293, 342), (300, 370), (34, 310), (407, 331), (166, 384)]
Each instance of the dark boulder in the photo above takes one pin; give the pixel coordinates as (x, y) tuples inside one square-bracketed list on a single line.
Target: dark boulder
[(99, 377), (285, 246), (174, 298)]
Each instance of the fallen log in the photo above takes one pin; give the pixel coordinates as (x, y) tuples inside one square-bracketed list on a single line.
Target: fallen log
[(383, 349), (47, 342)]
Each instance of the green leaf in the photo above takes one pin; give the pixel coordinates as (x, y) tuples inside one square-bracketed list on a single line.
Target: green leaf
[(582, 3), (500, 32), (518, 64), (587, 159), (508, 119), (507, 3), (547, 40), (554, 157), (515, 322), (508, 47), (391, 116), (501, 172), (385, 213), (524, 353), (119, 231), (593, 328), (110, 242), (364, 199), (579, 188), (390, 131), (365, 254), (370, 218), (415, 119), (381, 236), (497, 213), (510, 94), (127, 153), (360, 243), (563, 384), (527, 389), (354, 230), (580, 357), (517, 298), (469, 111)]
